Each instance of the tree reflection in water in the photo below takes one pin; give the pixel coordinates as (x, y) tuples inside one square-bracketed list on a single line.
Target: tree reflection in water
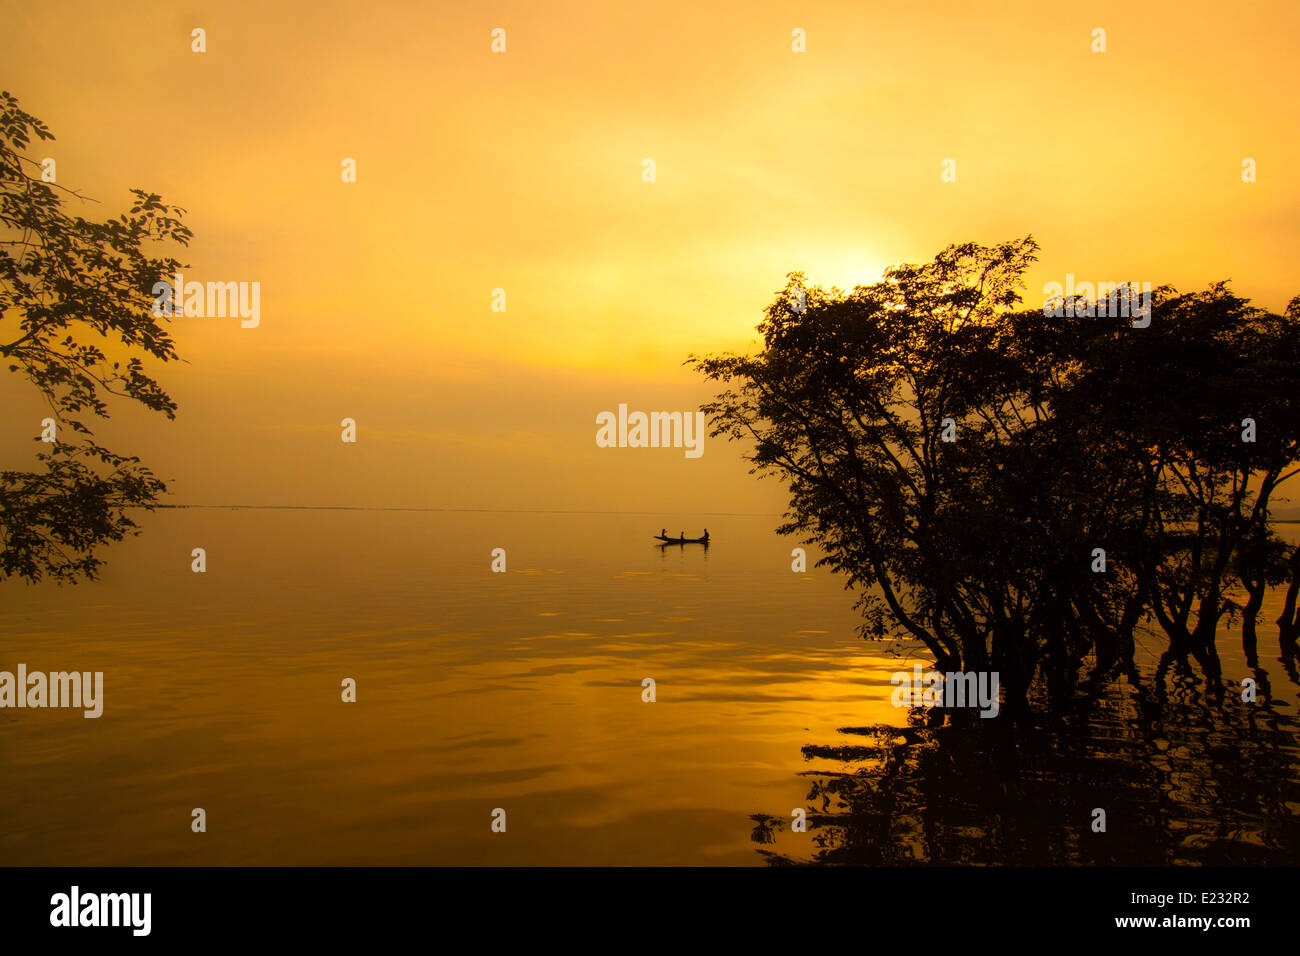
[(1185, 777)]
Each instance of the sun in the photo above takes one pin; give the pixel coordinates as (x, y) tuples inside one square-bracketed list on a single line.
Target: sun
[(845, 268)]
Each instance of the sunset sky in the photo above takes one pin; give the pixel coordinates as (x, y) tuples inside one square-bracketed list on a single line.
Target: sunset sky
[(523, 170)]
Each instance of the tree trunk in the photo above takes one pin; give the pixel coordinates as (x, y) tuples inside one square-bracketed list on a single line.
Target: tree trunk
[(1288, 625)]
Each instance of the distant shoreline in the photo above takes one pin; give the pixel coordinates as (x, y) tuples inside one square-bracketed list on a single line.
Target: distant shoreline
[(527, 511), (505, 511)]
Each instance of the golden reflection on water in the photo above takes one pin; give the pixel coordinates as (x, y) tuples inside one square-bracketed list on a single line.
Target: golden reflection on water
[(523, 691), (475, 691)]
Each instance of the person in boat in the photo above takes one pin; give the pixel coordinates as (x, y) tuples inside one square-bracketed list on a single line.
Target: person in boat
[(705, 539), (663, 532), (681, 535)]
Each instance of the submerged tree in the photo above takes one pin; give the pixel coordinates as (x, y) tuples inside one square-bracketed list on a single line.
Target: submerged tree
[(1018, 489), (76, 318), (1221, 378)]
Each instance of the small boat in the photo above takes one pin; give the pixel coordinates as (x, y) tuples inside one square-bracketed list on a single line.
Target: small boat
[(661, 538)]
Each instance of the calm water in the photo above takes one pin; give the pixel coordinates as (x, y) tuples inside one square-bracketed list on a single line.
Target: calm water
[(523, 691)]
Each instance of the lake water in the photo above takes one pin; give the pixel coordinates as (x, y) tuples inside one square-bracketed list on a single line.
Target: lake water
[(523, 691)]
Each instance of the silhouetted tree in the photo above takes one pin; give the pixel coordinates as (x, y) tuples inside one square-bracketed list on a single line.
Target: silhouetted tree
[(1211, 365), (75, 315), (1019, 489)]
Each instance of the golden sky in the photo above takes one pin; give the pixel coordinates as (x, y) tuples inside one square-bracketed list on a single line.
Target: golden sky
[(522, 171)]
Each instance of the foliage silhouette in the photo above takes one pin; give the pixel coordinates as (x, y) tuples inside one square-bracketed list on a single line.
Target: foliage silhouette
[(965, 462), (76, 321)]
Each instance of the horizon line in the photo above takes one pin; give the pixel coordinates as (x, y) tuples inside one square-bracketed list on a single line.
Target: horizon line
[(555, 511), (531, 511)]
